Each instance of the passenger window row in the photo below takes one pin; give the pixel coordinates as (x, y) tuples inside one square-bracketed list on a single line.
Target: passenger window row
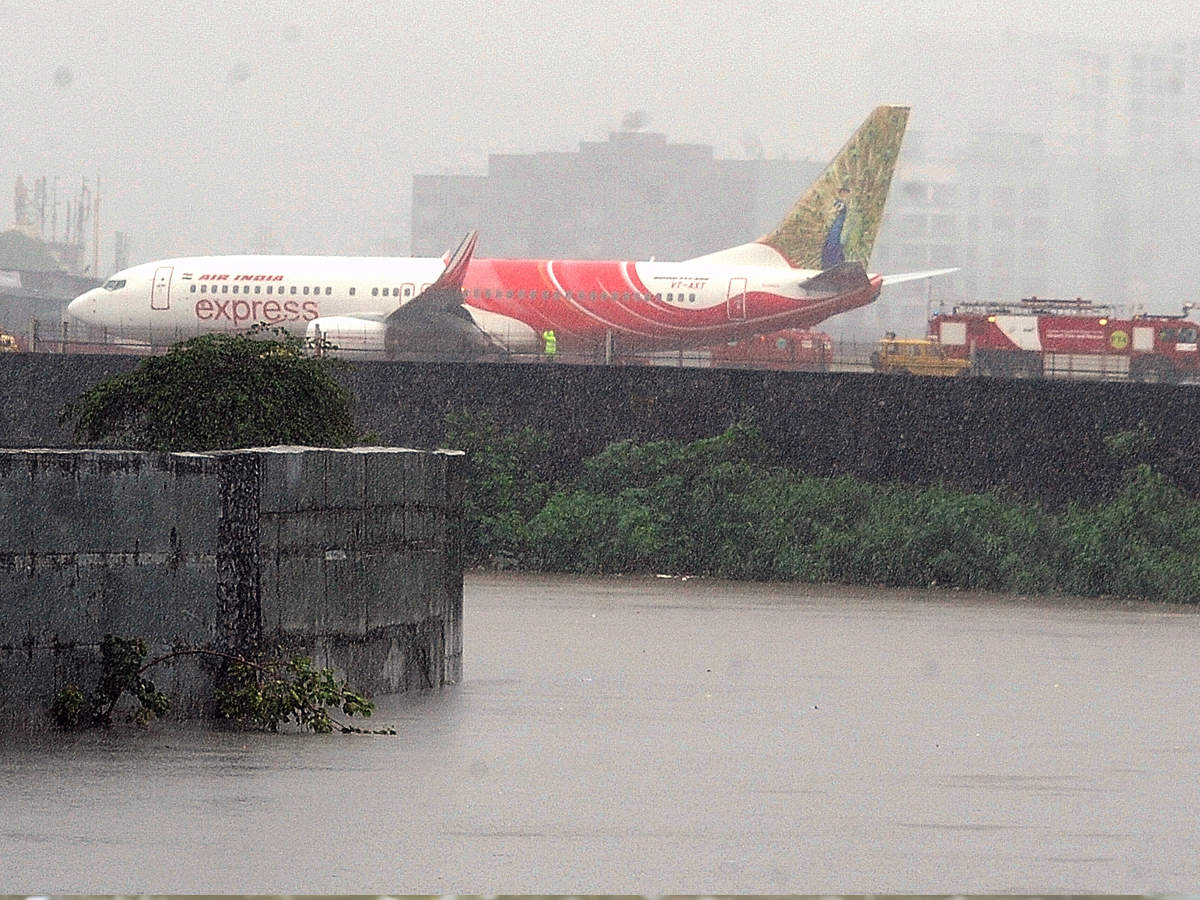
[(258, 289), (408, 290), (586, 296)]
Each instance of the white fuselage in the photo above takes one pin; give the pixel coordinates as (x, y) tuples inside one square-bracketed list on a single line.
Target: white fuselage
[(513, 301)]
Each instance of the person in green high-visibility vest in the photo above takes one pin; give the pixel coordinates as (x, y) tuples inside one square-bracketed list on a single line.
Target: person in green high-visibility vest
[(550, 341)]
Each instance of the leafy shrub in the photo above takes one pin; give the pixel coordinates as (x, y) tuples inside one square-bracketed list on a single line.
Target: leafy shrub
[(504, 489), (218, 391), (722, 506)]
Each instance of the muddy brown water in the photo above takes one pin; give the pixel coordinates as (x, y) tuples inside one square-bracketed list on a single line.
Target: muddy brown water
[(666, 736)]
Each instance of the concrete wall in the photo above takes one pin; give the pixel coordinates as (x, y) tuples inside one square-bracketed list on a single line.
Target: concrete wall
[(1042, 438), (351, 556)]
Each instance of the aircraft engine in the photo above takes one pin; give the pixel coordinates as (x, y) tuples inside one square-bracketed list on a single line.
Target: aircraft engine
[(511, 334), (347, 336)]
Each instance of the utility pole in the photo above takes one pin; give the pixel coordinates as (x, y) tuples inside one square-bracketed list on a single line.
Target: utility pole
[(96, 230)]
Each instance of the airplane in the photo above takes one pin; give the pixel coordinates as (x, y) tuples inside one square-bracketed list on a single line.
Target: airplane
[(810, 267)]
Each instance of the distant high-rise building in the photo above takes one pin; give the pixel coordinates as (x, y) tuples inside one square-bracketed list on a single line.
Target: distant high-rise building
[(1139, 100), (121, 245), (634, 196)]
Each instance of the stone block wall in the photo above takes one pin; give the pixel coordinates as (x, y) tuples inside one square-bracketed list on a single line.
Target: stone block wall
[(350, 556)]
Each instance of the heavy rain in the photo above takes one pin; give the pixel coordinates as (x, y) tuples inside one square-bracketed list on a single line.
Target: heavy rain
[(896, 596)]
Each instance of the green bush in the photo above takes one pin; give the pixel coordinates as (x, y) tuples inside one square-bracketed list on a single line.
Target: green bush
[(722, 506), (505, 485), (1143, 543)]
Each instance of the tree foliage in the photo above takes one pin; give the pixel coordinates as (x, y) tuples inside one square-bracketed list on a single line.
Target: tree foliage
[(268, 691), (215, 392), (264, 690)]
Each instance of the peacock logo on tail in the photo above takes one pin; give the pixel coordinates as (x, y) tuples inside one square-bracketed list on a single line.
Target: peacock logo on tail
[(838, 218)]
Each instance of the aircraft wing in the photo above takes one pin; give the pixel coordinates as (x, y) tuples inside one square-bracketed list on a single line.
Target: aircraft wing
[(915, 276), (445, 294), (436, 320)]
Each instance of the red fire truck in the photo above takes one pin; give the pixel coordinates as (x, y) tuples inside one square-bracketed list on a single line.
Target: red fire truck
[(1035, 337)]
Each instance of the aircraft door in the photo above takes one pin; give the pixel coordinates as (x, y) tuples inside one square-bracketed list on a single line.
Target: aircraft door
[(735, 303), (160, 293)]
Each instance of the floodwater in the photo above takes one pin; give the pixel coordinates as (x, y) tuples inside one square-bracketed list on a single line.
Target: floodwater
[(668, 736)]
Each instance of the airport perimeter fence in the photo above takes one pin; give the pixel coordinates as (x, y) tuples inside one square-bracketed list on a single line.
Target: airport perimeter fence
[(847, 355)]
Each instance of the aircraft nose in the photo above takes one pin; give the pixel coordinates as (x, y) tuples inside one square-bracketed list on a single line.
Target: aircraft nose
[(83, 307)]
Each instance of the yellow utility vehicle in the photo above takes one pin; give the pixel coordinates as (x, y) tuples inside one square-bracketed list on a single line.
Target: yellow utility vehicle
[(916, 356), (8, 343)]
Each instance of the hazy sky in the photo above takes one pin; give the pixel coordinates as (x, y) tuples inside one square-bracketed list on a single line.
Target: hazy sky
[(208, 122)]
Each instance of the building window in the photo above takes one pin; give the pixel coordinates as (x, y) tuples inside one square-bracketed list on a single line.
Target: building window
[(328, 291), (945, 194), (914, 192), (943, 228), (351, 292)]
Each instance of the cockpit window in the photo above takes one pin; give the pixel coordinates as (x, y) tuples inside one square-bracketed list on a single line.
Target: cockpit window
[(114, 284)]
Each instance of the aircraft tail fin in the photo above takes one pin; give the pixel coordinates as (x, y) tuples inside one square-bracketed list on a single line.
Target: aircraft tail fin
[(838, 218)]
